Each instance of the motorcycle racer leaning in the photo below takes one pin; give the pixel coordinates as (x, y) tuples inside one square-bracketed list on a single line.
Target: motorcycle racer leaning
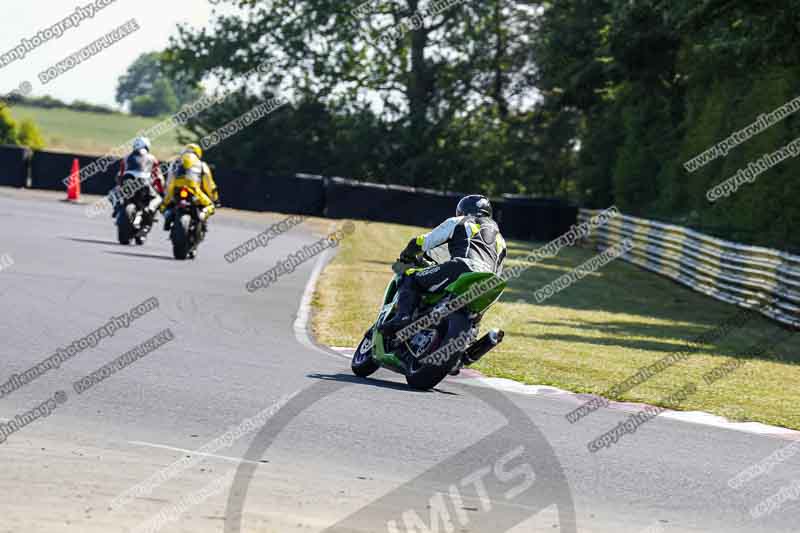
[(142, 166), (475, 245), (188, 170)]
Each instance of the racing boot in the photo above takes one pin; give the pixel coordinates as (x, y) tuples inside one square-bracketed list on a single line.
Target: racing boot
[(407, 301), (148, 217), (168, 215)]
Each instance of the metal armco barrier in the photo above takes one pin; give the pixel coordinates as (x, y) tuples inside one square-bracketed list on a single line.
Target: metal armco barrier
[(747, 276)]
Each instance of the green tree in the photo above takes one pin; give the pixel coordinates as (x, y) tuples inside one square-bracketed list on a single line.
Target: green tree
[(655, 83), (8, 127), (418, 97), (25, 133), (159, 101), (149, 89), (29, 135)]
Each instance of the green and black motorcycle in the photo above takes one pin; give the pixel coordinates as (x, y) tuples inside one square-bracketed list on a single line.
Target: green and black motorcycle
[(413, 357)]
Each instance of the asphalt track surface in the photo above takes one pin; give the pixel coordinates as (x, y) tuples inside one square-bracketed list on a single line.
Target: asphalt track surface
[(344, 454)]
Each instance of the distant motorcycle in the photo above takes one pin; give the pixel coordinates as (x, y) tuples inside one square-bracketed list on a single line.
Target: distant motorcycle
[(188, 231), (133, 221)]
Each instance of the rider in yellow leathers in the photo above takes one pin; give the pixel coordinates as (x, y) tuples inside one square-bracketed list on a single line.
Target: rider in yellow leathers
[(188, 170)]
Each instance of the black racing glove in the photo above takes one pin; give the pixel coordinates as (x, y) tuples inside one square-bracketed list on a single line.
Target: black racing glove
[(411, 252)]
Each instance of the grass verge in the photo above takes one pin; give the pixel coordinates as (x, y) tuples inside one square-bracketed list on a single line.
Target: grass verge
[(89, 133), (588, 337)]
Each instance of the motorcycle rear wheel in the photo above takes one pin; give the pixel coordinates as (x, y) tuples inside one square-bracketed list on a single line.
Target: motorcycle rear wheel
[(426, 377), (180, 237), (125, 229)]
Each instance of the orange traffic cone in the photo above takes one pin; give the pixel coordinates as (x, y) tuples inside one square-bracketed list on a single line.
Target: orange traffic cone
[(74, 188)]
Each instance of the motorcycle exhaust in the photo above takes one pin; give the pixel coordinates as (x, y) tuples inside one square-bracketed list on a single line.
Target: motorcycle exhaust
[(483, 346)]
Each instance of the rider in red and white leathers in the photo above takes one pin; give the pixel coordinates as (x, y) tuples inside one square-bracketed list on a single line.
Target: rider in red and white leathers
[(144, 167)]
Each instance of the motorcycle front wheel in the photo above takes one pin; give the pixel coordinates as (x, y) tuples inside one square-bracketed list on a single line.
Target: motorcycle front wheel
[(363, 364)]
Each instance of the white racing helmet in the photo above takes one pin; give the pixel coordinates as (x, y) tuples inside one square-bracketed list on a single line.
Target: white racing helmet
[(141, 143)]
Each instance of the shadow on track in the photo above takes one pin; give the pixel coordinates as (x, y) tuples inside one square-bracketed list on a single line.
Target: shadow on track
[(144, 256), (380, 383), (91, 241)]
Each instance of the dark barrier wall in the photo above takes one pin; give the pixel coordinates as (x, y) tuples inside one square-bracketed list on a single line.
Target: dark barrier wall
[(48, 170), (520, 217), (14, 165), (302, 195), (232, 187), (535, 219), (388, 203)]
